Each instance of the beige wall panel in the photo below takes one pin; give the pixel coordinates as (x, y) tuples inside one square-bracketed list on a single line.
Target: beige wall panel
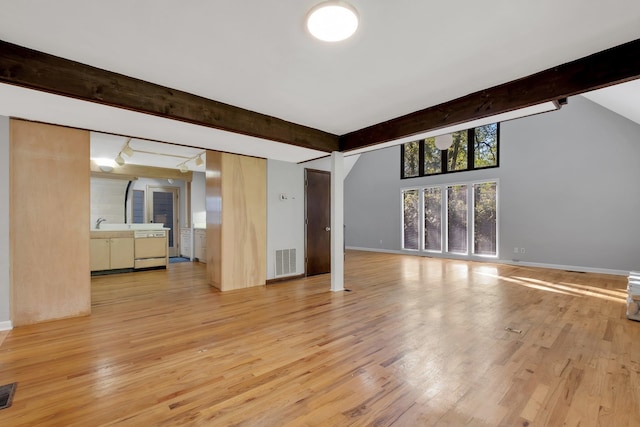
[(213, 205), (49, 217), (244, 221)]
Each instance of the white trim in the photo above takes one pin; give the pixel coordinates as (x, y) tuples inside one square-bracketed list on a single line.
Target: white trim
[(566, 267), (499, 261), (6, 325), (384, 251)]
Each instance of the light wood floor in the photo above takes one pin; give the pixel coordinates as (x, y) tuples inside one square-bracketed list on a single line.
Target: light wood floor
[(417, 341)]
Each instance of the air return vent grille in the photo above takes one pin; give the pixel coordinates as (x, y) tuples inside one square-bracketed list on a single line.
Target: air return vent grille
[(285, 262)]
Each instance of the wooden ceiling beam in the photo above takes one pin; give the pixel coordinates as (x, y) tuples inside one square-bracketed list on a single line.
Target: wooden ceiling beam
[(612, 66), (32, 69)]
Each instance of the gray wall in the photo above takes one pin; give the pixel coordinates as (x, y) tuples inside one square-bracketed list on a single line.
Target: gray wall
[(568, 191), (5, 289), (285, 218)]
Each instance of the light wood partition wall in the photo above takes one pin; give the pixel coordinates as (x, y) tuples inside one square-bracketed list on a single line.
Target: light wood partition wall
[(49, 217), (213, 205), (236, 220)]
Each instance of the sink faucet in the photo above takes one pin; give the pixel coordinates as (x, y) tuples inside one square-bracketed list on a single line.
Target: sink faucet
[(98, 222)]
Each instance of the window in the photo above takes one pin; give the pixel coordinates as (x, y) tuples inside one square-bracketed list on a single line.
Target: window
[(475, 148), (138, 206), (439, 216), (432, 157), (433, 219), (457, 219), (457, 158), (485, 218), (485, 146), (410, 222), (411, 159)]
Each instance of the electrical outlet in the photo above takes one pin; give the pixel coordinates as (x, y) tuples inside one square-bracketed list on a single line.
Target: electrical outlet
[(521, 250)]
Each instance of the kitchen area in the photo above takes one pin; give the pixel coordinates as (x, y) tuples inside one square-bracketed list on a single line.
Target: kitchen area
[(147, 205)]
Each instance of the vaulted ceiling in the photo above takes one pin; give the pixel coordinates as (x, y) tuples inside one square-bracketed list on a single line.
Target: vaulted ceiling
[(407, 56)]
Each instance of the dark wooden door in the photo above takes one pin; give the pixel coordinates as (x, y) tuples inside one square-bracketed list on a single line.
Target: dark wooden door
[(318, 216)]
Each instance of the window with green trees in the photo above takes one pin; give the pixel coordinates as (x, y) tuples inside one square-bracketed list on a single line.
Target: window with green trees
[(475, 148), (459, 218), (410, 224)]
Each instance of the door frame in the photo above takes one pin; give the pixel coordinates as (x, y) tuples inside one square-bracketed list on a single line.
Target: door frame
[(175, 230)]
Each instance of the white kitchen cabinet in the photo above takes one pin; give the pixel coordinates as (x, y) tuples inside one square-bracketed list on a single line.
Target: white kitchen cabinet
[(200, 244), (111, 254), (99, 254), (121, 252), (185, 242)]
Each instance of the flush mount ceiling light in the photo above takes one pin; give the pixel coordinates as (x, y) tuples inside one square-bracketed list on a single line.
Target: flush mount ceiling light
[(332, 21), (105, 165)]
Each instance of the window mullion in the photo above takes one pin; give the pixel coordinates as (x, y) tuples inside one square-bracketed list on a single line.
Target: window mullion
[(421, 158), (471, 143)]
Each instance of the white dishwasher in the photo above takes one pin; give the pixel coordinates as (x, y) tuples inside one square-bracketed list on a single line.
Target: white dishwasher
[(150, 248)]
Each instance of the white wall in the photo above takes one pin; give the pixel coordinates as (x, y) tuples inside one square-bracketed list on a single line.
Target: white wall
[(198, 195), (107, 200), (568, 191), (285, 218), (5, 283)]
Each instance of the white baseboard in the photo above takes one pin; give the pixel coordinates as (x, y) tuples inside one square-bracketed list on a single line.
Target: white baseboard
[(6, 325), (566, 267), (499, 261), (384, 251)]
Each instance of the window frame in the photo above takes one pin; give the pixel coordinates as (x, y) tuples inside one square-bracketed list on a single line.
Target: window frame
[(472, 234), (444, 219), (420, 215), (444, 155)]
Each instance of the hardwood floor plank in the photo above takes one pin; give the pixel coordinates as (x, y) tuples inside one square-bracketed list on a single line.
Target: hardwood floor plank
[(417, 341)]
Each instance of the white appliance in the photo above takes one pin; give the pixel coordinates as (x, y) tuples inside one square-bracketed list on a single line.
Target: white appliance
[(150, 248)]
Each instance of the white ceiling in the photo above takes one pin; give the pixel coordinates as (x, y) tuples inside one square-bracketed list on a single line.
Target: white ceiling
[(623, 99), (407, 55)]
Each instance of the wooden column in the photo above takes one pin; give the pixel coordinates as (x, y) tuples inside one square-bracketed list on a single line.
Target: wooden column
[(49, 217), (236, 203)]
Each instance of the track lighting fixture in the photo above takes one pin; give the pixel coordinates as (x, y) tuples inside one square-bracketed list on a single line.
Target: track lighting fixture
[(198, 161), (127, 150), (119, 159)]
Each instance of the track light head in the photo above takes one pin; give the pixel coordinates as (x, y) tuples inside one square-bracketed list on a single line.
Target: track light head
[(119, 159), (128, 151), (199, 160)]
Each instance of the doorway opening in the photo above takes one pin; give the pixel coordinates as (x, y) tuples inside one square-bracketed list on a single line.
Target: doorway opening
[(162, 208)]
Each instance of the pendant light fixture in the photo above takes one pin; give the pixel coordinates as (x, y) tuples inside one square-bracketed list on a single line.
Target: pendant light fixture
[(332, 21), (443, 142)]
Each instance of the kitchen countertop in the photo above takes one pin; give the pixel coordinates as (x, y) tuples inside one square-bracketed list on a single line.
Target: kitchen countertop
[(113, 231), (125, 227)]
